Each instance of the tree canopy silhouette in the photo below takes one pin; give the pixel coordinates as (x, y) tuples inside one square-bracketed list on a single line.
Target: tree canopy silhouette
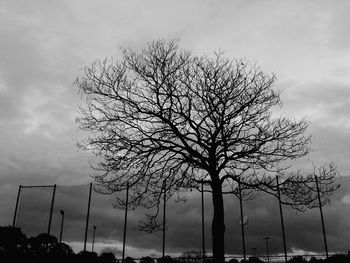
[(165, 114), (12, 239)]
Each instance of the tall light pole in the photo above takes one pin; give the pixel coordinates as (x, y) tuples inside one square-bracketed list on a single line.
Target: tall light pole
[(242, 222), (51, 209), (87, 217), (322, 221), (125, 220), (267, 248), (16, 208), (164, 210), (203, 234), (282, 222), (93, 238), (62, 220)]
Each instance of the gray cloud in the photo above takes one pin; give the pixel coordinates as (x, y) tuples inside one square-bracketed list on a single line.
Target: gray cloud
[(326, 107), (117, 252), (324, 99)]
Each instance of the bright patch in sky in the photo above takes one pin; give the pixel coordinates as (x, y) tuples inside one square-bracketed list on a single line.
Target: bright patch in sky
[(346, 200)]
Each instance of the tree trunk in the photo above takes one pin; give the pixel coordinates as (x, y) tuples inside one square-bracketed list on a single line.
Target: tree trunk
[(218, 224)]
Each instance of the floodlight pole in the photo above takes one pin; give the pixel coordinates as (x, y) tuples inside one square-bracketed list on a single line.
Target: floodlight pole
[(242, 223), (282, 223), (203, 234), (51, 209), (87, 217), (93, 239), (267, 248), (321, 212), (62, 220), (164, 209), (125, 219), (17, 201)]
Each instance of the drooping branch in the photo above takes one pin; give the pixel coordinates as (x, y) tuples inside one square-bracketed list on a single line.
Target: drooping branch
[(298, 189)]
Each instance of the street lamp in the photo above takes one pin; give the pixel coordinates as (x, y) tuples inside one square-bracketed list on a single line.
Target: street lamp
[(62, 220), (267, 248), (93, 238)]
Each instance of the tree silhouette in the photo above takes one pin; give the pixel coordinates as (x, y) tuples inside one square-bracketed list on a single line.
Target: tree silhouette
[(146, 260), (42, 245), (190, 256), (129, 260), (12, 239), (297, 259), (62, 250), (255, 260), (13, 244), (166, 259), (165, 114), (106, 257), (15, 247), (86, 257)]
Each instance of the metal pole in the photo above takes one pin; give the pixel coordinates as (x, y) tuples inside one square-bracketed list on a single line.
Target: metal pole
[(322, 221), (36, 186), (203, 234), (87, 217), (62, 214), (17, 201), (125, 219), (51, 209), (93, 239), (267, 249), (282, 222), (164, 208), (242, 223)]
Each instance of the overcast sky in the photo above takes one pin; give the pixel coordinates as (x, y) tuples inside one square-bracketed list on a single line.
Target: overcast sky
[(45, 44)]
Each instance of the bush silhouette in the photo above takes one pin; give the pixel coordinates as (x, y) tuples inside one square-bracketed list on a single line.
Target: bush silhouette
[(297, 259), (338, 259), (12, 239), (315, 260), (189, 256), (86, 257), (129, 260), (13, 245), (166, 259), (255, 260), (106, 257), (42, 245), (62, 250), (146, 260)]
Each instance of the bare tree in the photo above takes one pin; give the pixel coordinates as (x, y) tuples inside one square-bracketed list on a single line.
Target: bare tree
[(165, 114)]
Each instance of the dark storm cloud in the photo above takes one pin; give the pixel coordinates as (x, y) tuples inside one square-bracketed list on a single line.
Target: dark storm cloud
[(303, 230)]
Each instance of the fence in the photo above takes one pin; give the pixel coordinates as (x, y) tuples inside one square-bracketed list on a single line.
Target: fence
[(273, 258)]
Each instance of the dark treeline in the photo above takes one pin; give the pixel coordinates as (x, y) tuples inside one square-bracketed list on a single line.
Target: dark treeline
[(16, 247)]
